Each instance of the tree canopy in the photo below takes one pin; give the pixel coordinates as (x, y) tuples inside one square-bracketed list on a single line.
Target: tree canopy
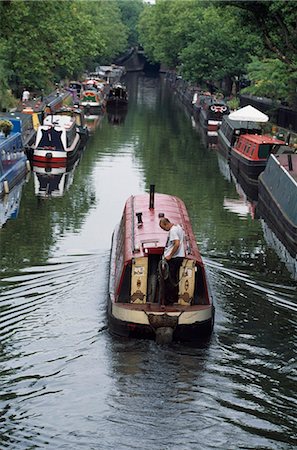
[(45, 41), (217, 40)]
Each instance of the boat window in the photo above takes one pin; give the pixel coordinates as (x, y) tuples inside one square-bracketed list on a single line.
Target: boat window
[(264, 150), (51, 138)]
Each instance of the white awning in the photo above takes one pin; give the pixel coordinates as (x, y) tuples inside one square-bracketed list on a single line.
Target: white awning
[(248, 114)]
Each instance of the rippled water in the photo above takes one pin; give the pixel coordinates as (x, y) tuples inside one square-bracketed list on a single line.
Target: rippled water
[(66, 383)]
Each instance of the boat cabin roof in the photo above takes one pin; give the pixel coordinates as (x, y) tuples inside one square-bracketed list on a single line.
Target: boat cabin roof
[(63, 121), (241, 124), (260, 139), (145, 236)]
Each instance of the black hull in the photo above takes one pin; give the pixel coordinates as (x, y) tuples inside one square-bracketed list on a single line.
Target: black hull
[(113, 104), (271, 212), (250, 169), (224, 146), (92, 110)]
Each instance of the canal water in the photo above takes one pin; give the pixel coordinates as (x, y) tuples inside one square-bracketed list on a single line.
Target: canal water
[(65, 382)]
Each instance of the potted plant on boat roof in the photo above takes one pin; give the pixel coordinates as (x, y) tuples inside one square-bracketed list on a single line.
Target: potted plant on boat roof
[(5, 126)]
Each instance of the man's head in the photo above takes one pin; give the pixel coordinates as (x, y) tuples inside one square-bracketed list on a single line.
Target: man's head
[(165, 224)]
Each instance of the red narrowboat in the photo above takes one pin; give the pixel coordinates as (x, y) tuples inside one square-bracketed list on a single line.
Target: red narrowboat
[(137, 302), (249, 155)]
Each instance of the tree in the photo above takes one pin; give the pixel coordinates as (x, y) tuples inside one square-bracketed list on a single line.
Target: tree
[(130, 12), (50, 40)]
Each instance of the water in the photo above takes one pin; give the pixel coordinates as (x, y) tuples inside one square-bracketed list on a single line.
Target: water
[(66, 383)]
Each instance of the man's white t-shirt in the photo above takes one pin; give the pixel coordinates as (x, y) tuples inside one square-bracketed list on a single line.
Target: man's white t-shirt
[(175, 232)]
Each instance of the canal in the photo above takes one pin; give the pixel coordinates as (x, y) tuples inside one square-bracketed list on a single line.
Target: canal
[(65, 382)]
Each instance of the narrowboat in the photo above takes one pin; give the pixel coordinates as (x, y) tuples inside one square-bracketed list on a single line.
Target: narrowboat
[(138, 303), (13, 161), (75, 87), (57, 140), (277, 198), (249, 156), (24, 123), (92, 98), (117, 96), (211, 114), (230, 130)]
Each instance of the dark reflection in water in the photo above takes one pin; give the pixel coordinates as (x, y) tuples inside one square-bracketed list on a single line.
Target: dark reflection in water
[(66, 383)]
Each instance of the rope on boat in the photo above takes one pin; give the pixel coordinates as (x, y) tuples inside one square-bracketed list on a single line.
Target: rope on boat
[(164, 272)]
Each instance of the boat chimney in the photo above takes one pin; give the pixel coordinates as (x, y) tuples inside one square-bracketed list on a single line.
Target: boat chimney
[(139, 219), (152, 196), (290, 162)]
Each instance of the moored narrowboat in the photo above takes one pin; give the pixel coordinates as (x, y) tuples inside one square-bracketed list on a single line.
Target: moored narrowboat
[(13, 162), (277, 198), (138, 303), (211, 114), (117, 96), (249, 156), (92, 97), (57, 140), (230, 130)]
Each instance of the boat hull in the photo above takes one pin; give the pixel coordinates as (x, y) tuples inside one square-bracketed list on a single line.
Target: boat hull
[(92, 109), (277, 200), (137, 324)]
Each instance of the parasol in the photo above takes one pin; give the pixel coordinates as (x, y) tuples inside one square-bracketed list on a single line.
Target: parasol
[(248, 114)]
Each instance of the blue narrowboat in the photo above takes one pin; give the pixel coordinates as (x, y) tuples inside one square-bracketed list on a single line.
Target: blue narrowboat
[(13, 161)]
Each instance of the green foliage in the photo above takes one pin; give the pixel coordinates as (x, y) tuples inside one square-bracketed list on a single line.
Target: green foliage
[(130, 12), (270, 78), (200, 38), (233, 103), (50, 40)]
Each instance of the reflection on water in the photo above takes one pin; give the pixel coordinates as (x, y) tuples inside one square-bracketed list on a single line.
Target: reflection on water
[(52, 181), (10, 203), (280, 249), (66, 383)]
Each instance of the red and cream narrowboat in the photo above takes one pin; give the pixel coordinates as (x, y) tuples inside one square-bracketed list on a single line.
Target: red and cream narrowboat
[(138, 303), (57, 140), (249, 155)]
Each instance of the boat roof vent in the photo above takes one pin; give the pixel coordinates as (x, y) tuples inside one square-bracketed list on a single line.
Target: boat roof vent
[(139, 219), (152, 196)]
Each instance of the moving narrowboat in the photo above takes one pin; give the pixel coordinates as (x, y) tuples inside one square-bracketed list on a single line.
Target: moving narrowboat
[(13, 162), (138, 303), (230, 130), (249, 156), (117, 96), (57, 140), (277, 198)]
